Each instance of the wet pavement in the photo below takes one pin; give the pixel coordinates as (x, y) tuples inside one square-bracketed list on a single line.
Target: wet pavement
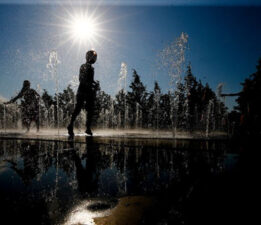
[(116, 181), (62, 134)]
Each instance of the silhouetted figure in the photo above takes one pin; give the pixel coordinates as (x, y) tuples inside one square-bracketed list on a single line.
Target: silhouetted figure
[(29, 168), (87, 168), (29, 105), (86, 92)]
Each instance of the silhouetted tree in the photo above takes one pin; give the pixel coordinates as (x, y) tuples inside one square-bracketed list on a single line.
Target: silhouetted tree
[(165, 101), (66, 104), (249, 103), (191, 88), (153, 107), (101, 107), (47, 99), (120, 107), (136, 100), (189, 107)]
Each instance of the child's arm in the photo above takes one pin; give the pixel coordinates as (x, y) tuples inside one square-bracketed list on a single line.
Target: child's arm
[(20, 95), (82, 72)]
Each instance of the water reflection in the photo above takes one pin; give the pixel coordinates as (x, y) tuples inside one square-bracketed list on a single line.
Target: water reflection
[(87, 210), (45, 181)]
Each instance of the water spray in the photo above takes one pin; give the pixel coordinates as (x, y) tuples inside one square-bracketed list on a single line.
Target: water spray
[(122, 84), (52, 66), (173, 59), (39, 90), (4, 118)]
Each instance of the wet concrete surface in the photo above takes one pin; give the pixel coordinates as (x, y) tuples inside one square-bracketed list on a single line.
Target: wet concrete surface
[(62, 134), (124, 181)]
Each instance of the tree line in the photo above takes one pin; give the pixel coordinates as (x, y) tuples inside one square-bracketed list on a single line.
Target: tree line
[(246, 116), (191, 106)]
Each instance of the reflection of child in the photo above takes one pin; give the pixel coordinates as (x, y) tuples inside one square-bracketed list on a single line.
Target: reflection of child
[(30, 105), (86, 92)]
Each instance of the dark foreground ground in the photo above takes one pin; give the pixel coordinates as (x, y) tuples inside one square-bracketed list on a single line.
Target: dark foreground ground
[(123, 181)]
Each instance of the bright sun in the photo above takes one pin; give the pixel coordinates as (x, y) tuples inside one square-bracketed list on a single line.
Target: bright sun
[(83, 28)]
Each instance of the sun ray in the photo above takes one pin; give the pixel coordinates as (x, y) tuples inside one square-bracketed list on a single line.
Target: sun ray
[(85, 26)]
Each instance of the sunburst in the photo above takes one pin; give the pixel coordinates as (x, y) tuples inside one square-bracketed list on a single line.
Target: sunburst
[(83, 28), (80, 26)]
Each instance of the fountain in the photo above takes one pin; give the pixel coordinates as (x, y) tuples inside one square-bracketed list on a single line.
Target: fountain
[(52, 66), (154, 111), (173, 58), (209, 116), (39, 90), (51, 117), (156, 107), (138, 116), (122, 85), (4, 118), (74, 84)]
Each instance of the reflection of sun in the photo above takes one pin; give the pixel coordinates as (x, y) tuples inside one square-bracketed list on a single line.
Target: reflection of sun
[(80, 214)]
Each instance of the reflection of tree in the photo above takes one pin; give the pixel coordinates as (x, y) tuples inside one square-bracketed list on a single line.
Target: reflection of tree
[(111, 168), (66, 162), (30, 168), (137, 169)]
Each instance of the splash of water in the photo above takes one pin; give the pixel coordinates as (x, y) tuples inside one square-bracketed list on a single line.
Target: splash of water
[(157, 105), (122, 84), (219, 89), (5, 118), (138, 116), (210, 111), (52, 66), (39, 90), (172, 58), (74, 82), (53, 62), (123, 77)]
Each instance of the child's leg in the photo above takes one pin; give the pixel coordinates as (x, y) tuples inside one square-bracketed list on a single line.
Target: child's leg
[(90, 112), (27, 123), (37, 122), (76, 111)]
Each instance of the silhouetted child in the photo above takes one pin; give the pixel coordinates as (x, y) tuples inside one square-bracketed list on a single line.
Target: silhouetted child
[(86, 92), (29, 105)]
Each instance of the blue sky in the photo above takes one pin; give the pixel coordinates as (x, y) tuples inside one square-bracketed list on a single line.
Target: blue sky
[(140, 2), (224, 43)]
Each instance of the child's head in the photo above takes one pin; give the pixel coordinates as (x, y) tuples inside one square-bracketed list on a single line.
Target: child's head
[(26, 84), (91, 57)]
